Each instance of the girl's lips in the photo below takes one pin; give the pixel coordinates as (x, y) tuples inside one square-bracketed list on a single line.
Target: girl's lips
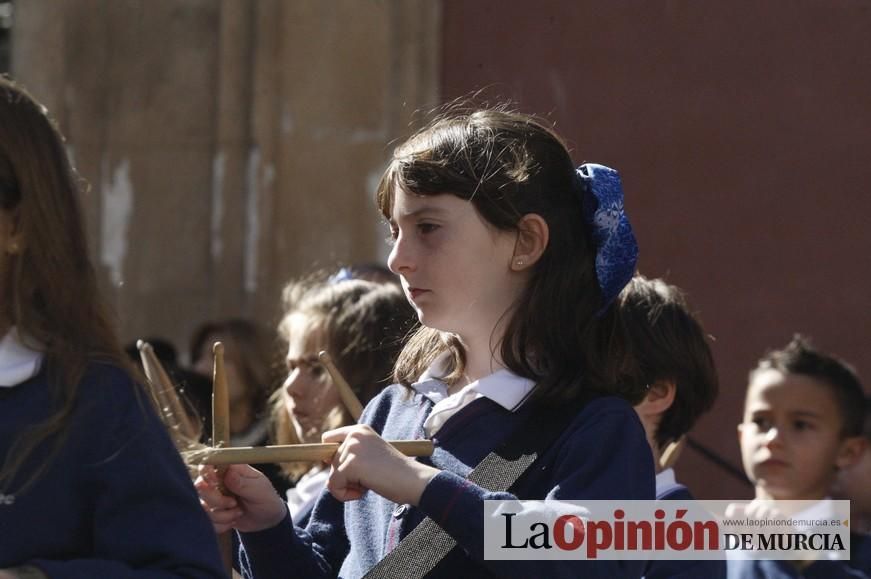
[(414, 292), (773, 463)]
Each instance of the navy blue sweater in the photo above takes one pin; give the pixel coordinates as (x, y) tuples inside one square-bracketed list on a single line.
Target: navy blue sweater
[(858, 567), (115, 502), (603, 454), (675, 569)]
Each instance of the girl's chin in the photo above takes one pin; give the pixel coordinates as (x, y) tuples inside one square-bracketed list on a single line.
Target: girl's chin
[(436, 323), (306, 433)]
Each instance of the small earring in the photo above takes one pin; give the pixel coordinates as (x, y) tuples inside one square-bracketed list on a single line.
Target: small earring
[(519, 262)]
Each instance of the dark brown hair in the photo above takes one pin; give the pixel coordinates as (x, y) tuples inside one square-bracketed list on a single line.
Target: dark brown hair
[(800, 357), (508, 165), (52, 293), (364, 325), (661, 339), (249, 347)]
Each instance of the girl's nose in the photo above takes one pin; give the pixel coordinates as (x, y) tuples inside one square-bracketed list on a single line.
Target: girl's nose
[(294, 384), (400, 260), (773, 437)]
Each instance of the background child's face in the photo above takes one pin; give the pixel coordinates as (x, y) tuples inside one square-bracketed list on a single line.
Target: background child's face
[(791, 436), (240, 392), (309, 393)]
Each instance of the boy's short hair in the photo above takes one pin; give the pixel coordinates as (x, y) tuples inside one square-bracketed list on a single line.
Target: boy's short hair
[(662, 340), (799, 357)]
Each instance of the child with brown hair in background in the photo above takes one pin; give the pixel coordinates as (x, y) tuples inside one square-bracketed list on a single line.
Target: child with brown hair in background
[(802, 423), (663, 348), (363, 326), (249, 354)]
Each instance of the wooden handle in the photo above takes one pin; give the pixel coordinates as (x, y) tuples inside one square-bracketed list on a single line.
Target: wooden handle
[(183, 429), (221, 438), (349, 399), (291, 453), (672, 453), (220, 400)]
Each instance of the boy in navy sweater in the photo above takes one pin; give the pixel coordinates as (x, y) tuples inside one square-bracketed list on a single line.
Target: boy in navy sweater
[(802, 423), (663, 346)]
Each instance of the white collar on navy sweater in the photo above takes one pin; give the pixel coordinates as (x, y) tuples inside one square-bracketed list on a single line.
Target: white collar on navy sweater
[(666, 482), (503, 387), (18, 363)]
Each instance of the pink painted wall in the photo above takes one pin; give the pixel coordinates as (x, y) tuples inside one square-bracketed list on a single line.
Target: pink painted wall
[(743, 133)]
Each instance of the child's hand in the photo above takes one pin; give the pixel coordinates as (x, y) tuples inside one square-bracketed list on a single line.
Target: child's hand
[(22, 572), (365, 461), (255, 507)]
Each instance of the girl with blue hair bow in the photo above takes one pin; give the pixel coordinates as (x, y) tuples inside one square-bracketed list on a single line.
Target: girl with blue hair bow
[(511, 258)]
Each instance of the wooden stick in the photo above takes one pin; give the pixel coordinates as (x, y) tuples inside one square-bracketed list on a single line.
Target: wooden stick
[(290, 453), (671, 453), (183, 429), (221, 438), (349, 399), (220, 400)]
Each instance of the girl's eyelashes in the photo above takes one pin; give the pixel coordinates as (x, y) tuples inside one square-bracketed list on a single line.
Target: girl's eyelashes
[(312, 368), (761, 422), (802, 425), (425, 227), (393, 233)]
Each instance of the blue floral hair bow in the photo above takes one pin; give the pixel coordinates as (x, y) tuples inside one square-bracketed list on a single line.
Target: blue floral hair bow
[(616, 248)]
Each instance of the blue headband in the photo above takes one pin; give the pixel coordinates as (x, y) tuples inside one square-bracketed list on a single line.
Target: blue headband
[(616, 248)]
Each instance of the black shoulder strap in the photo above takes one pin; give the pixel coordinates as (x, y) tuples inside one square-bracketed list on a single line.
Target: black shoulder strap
[(421, 550)]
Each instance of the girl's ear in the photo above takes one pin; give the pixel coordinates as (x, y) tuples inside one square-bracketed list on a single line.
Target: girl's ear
[(850, 451), (532, 237), (659, 398)]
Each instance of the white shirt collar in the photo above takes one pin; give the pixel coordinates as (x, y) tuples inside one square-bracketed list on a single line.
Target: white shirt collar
[(307, 490), (18, 363), (665, 482), (429, 384), (503, 387), (820, 510)]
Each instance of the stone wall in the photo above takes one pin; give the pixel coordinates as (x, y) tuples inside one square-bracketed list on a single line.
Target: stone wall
[(229, 145)]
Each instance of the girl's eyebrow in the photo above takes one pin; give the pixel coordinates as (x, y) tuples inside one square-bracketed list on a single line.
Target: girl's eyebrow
[(806, 414), (425, 210)]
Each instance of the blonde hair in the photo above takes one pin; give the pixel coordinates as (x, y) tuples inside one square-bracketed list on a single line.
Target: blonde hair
[(363, 326)]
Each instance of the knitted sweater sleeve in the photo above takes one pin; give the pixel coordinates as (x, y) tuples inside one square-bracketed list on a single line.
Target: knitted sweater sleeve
[(146, 519), (603, 455), (321, 548)]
